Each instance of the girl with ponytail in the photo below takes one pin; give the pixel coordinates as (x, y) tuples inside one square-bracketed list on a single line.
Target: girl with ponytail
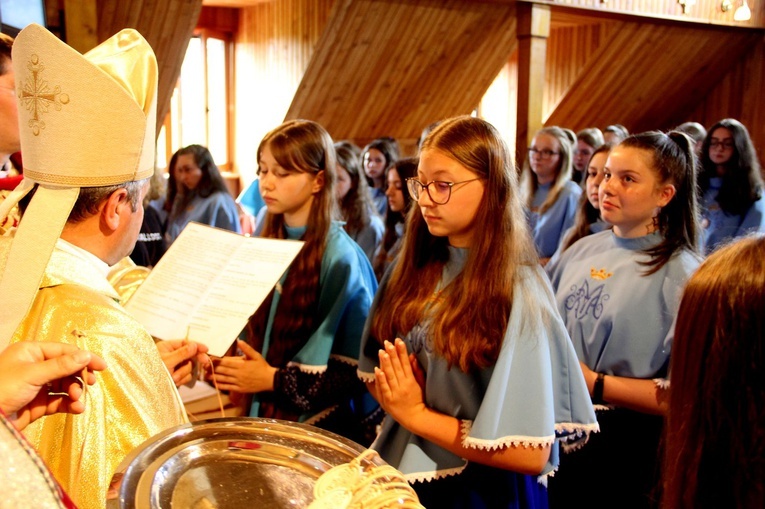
[(618, 292)]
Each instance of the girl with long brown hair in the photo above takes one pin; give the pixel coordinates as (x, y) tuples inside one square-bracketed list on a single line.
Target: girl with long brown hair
[(299, 360), (361, 220), (464, 348), (715, 432)]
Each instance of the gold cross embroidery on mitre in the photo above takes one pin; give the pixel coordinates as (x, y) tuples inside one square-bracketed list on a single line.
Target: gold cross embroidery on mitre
[(37, 97)]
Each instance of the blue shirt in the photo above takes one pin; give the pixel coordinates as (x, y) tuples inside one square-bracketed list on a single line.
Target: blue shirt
[(218, 209), (535, 394), (369, 237), (547, 228), (620, 321), (721, 226)]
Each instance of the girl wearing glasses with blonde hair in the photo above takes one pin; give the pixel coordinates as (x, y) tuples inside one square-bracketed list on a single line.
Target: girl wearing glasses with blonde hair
[(549, 194), (464, 348), (731, 184)]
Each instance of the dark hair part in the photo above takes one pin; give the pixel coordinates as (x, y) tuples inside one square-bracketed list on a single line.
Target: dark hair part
[(742, 182), (529, 184), (714, 441), (694, 130), (592, 136), (470, 316), (306, 147), (586, 214), (570, 135), (350, 146), (356, 206), (91, 198), (6, 44), (673, 159), (619, 130), (405, 168), (425, 132)]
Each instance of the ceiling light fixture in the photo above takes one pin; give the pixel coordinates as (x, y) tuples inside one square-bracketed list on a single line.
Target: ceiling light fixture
[(743, 13)]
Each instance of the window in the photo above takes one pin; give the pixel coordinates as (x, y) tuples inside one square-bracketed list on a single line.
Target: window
[(199, 110)]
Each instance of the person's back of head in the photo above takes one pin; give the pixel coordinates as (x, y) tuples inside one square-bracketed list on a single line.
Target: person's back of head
[(570, 135), (592, 136), (715, 428), (615, 133), (694, 130)]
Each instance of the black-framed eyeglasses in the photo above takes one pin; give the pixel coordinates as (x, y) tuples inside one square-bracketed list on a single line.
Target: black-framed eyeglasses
[(545, 153), (722, 143), (439, 194)]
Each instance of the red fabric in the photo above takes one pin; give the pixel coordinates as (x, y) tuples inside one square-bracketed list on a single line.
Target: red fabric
[(10, 183)]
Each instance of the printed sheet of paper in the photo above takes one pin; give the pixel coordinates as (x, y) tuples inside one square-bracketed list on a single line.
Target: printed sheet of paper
[(208, 284)]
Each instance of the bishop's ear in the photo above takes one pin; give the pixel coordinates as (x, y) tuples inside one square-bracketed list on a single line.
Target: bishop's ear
[(114, 207)]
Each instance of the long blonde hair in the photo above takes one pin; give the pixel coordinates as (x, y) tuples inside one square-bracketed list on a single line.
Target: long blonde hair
[(470, 316), (529, 183)]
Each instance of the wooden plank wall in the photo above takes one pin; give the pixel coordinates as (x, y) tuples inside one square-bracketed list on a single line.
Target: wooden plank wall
[(737, 95), (569, 48), (646, 73), (166, 25), (704, 11), (274, 45), (388, 67)]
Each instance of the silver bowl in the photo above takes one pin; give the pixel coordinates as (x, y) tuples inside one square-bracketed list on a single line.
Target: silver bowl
[(230, 463)]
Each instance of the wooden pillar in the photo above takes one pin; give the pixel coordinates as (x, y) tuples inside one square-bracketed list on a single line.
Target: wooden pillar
[(533, 31), (81, 21)]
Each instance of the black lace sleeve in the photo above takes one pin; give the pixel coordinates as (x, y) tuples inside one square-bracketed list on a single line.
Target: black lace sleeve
[(303, 392)]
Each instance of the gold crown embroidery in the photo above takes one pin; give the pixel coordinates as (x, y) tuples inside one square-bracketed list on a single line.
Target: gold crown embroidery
[(37, 97), (601, 274)]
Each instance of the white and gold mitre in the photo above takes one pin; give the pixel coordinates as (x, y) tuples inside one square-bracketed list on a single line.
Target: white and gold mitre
[(85, 121)]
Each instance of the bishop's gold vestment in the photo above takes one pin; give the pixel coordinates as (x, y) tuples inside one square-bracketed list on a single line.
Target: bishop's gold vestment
[(132, 400)]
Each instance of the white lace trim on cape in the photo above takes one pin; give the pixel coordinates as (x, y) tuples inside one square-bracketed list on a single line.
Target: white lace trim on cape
[(502, 442), (434, 476), (308, 368), (321, 415)]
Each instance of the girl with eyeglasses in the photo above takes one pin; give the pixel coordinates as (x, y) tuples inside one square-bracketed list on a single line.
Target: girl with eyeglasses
[(731, 185), (464, 348), (549, 194), (299, 360), (618, 292)]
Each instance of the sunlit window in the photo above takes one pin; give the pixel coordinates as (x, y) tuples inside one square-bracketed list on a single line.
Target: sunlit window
[(199, 106)]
